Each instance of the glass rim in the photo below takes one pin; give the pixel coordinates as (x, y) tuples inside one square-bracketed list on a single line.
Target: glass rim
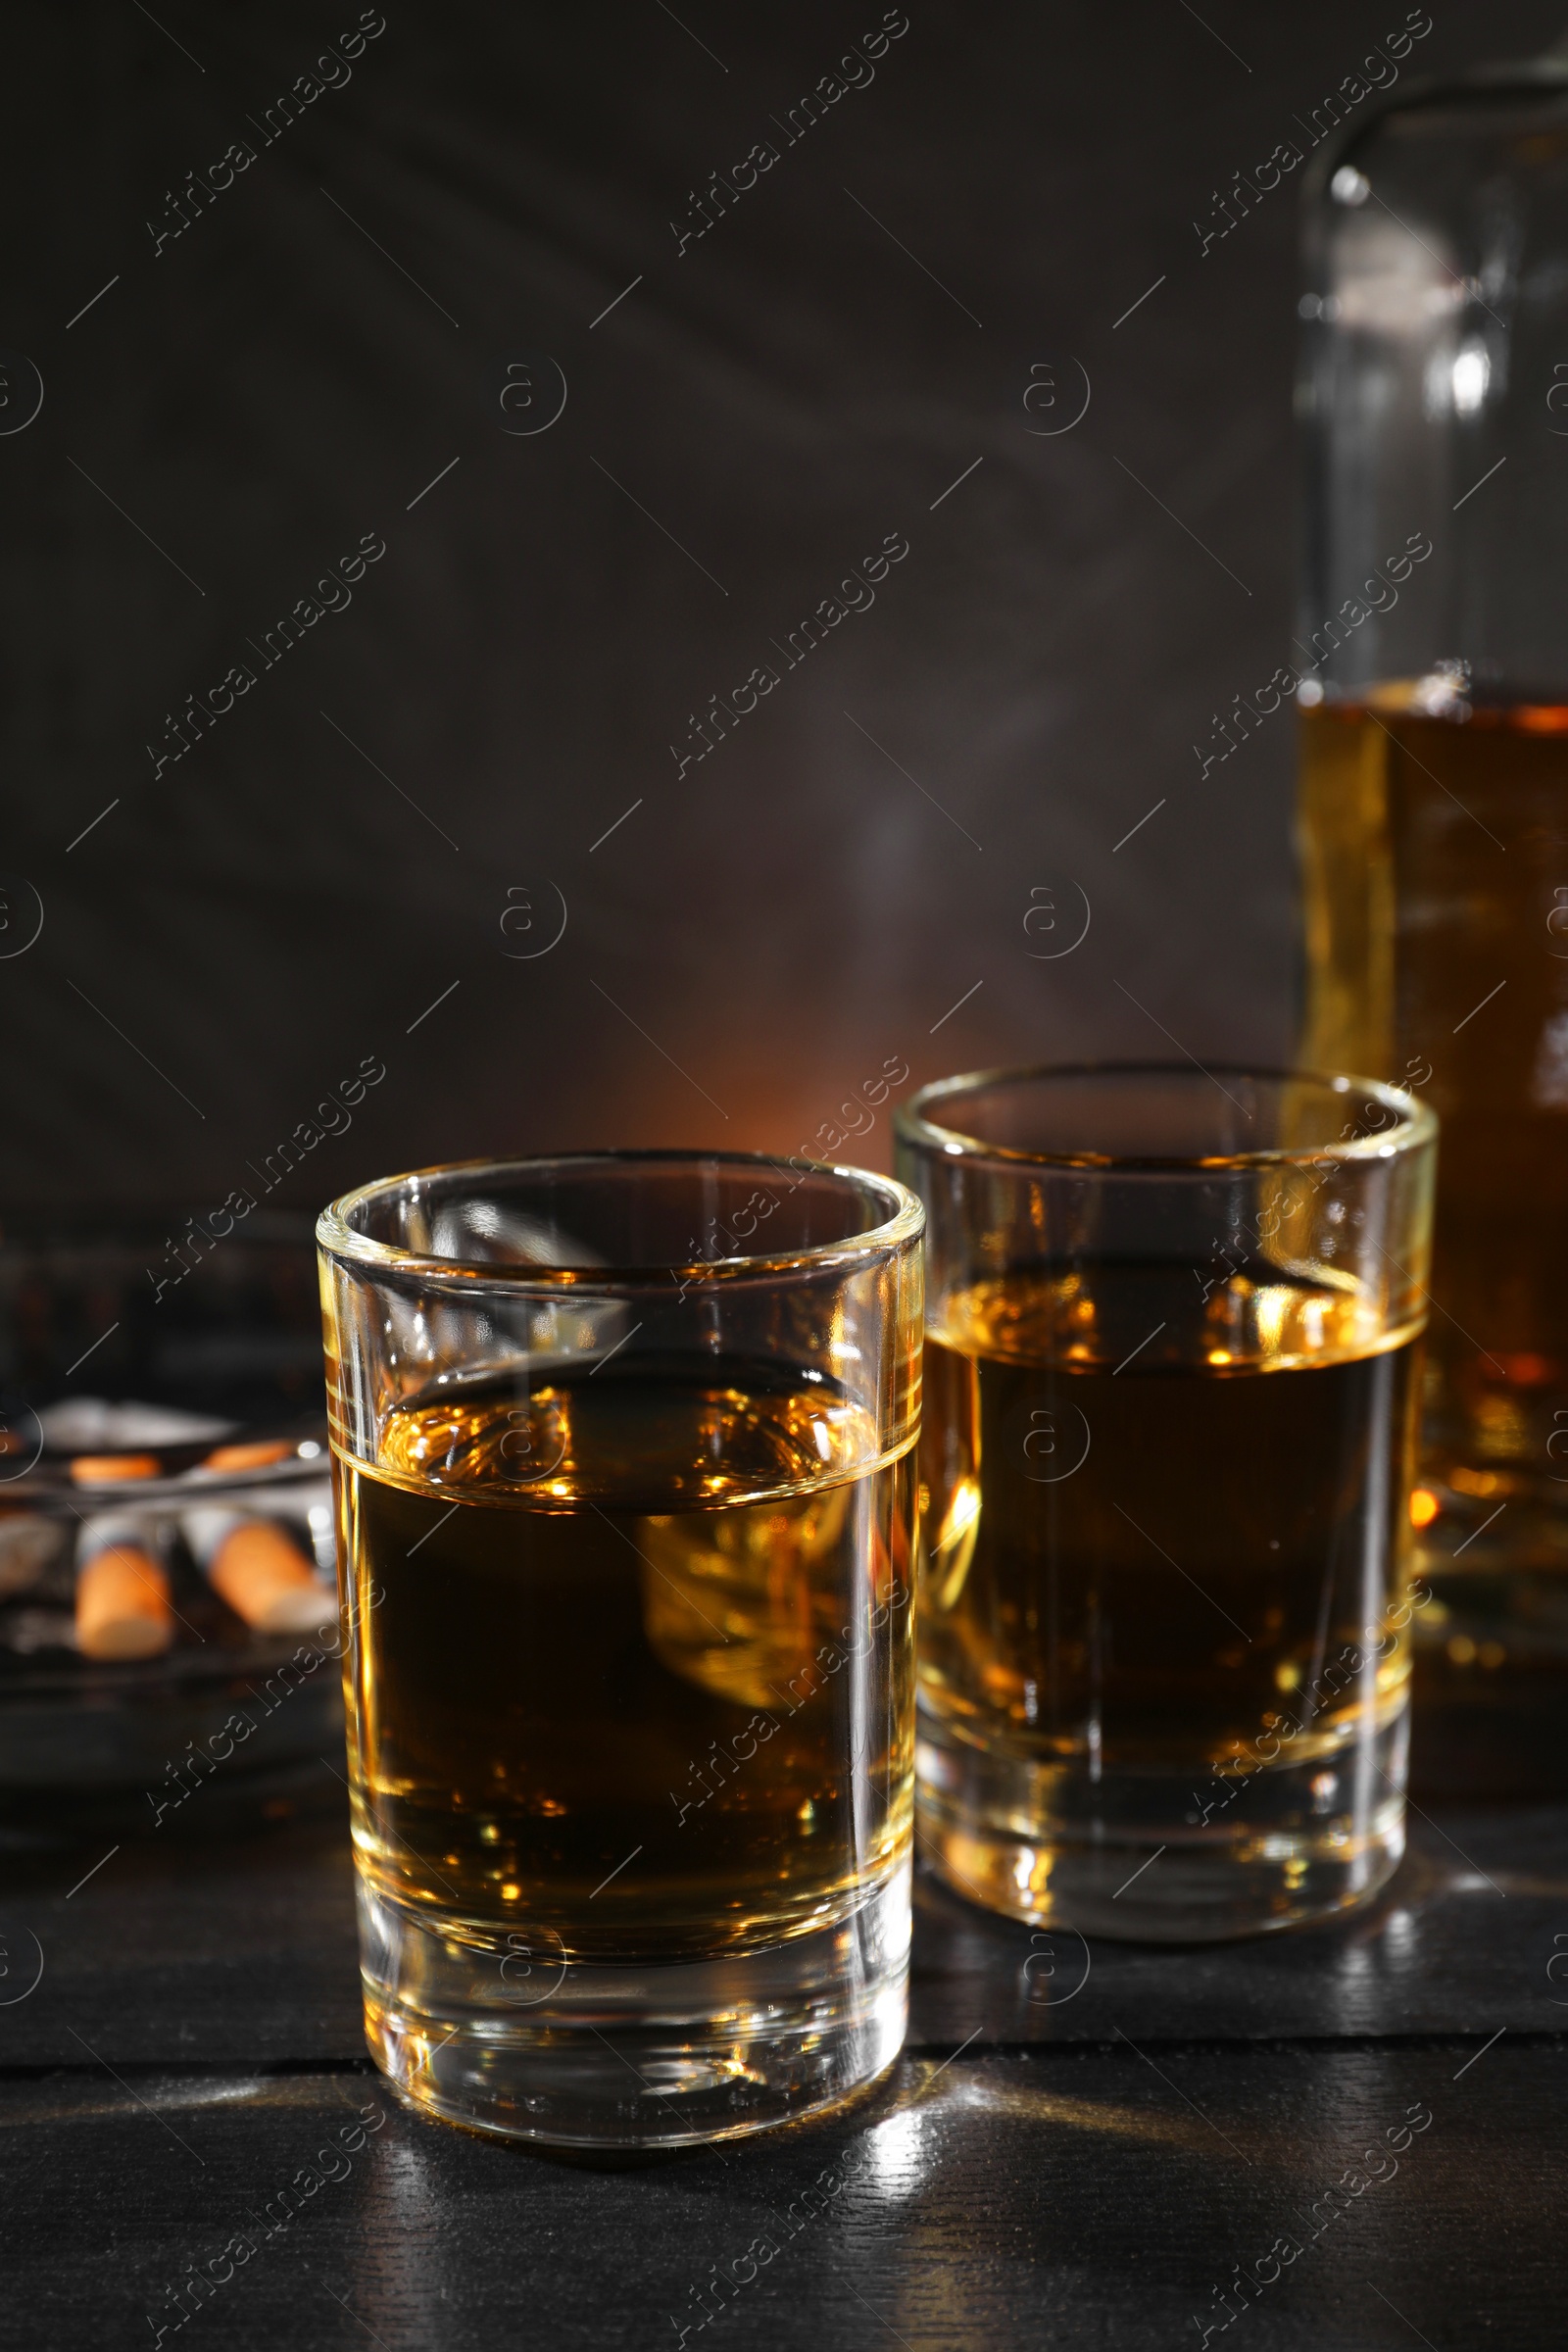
[(1415, 1125), (336, 1237)]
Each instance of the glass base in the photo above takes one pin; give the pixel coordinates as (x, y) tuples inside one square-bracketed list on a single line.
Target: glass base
[(478, 2029), (1127, 1856)]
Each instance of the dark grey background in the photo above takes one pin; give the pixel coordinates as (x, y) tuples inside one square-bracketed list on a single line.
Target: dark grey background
[(766, 932)]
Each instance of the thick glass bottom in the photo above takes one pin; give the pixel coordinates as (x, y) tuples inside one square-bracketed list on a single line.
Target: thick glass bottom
[(485, 2030), (1131, 1855)]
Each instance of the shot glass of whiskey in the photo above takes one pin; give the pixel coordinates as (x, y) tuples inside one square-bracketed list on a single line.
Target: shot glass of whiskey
[(1173, 1332), (623, 1445)]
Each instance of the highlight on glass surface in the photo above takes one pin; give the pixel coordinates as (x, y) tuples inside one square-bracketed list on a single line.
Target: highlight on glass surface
[(1173, 1332), (623, 1448)]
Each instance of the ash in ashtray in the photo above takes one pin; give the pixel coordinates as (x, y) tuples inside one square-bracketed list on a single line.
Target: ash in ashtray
[(26, 1631), (30, 1542)]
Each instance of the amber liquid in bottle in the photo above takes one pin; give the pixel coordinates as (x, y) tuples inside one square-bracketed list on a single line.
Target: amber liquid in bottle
[(1435, 857), (632, 1660), (1137, 1564)]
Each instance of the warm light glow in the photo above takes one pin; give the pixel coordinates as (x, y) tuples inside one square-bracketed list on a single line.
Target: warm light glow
[(1480, 1482), (953, 1548), (1424, 1507)]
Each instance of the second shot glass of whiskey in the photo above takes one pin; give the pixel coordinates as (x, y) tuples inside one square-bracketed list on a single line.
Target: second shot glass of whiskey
[(1173, 1331), (623, 1449)]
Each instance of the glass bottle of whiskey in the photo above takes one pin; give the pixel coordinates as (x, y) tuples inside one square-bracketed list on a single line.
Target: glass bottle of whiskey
[(1431, 666)]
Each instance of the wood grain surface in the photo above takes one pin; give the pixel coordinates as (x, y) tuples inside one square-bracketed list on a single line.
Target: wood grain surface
[(1059, 2158)]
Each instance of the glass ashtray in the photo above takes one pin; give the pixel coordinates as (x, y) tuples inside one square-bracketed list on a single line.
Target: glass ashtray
[(169, 1654)]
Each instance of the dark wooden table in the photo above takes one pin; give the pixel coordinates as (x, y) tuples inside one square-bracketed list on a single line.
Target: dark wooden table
[(1060, 2158)]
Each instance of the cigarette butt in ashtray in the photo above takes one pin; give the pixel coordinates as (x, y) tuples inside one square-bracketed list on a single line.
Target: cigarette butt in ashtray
[(110, 1469), (262, 1574), (123, 1606), (260, 1453), (28, 1542)]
